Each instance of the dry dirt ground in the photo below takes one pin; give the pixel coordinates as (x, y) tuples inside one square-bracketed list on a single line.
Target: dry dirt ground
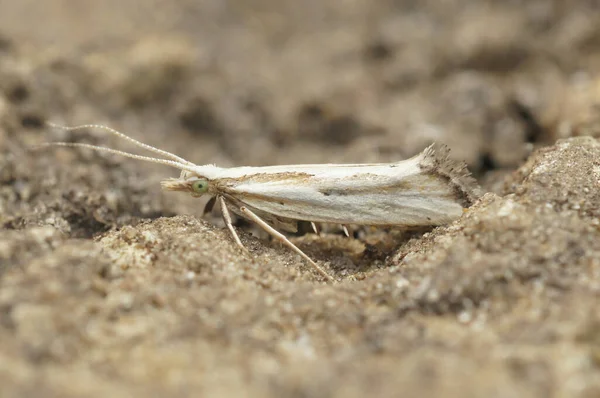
[(110, 287)]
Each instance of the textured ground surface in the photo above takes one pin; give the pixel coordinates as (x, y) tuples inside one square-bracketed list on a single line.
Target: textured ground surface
[(109, 287)]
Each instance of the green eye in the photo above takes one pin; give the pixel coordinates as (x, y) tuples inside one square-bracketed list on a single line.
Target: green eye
[(200, 186)]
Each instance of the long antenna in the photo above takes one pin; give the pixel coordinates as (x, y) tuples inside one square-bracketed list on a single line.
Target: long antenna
[(125, 137), (181, 166)]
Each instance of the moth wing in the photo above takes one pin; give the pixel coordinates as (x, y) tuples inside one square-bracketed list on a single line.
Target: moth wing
[(393, 207), (428, 189)]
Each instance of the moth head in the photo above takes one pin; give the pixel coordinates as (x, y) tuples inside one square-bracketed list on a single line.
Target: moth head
[(188, 182)]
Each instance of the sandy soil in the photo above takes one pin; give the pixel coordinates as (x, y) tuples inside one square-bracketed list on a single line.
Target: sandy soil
[(110, 287)]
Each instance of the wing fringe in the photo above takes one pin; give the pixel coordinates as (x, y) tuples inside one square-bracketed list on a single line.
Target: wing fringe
[(436, 160)]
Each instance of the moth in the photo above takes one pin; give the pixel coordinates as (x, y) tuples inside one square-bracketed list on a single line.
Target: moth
[(428, 189)]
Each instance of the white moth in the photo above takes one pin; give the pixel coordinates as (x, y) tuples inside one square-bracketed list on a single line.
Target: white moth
[(428, 189)]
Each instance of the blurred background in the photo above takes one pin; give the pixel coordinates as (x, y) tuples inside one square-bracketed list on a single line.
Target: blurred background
[(282, 81)]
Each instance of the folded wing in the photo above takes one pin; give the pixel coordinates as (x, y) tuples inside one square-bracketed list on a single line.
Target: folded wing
[(428, 189)]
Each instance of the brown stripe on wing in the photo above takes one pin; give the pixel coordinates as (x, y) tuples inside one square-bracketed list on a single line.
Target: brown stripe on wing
[(266, 177), (408, 183), (415, 183)]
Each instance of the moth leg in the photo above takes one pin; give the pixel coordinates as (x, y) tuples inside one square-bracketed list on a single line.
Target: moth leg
[(228, 223), (276, 234), (346, 232), (314, 227), (209, 205)]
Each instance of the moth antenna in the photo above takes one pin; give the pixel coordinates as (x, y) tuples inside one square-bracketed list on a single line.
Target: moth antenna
[(125, 137), (172, 163)]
